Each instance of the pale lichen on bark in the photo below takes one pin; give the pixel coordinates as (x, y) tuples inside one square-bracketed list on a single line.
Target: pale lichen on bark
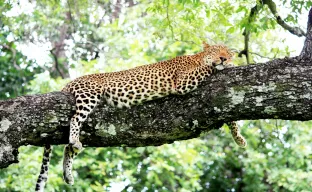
[(4, 125)]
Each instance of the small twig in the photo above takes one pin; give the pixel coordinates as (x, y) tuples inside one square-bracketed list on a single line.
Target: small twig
[(56, 63), (246, 46), (13, 55), (260, 55), (88, 43), (188, 42), (168, 18), (69, 16), (93, 45), (253, 12)]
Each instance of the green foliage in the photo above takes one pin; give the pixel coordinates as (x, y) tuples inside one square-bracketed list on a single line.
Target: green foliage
[(15, 70), (278, 156)]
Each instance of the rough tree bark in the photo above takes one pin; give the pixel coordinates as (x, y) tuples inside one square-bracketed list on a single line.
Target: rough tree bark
[(279, 89)]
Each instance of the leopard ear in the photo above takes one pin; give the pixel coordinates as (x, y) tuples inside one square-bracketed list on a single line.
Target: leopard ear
[(206, 46)]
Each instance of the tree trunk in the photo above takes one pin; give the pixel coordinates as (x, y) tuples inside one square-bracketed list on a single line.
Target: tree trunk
[(279, 89)]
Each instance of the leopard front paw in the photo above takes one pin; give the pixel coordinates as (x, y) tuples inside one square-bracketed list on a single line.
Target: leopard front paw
[(76, 144), (77, 147)]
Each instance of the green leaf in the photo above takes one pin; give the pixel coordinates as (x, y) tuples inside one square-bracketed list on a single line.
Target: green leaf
[(230, 30)]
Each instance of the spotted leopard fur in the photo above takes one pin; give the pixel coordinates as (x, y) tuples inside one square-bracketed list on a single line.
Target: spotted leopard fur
[(179, 75), (43, 176)]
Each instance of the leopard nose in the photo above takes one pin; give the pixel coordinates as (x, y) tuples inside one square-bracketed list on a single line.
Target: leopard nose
[(223, 59)]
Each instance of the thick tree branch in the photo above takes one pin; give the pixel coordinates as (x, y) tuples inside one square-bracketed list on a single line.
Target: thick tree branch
[(280, 89), (293, 30)]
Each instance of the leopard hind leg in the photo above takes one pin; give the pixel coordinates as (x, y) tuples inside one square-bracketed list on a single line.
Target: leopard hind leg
[(85, 103), (237, 136), (43, 176)]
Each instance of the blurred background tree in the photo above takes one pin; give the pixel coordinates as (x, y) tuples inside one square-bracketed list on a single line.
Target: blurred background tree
[(44, 44)]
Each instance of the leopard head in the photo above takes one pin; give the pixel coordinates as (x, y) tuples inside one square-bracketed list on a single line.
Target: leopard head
[(218, 54)]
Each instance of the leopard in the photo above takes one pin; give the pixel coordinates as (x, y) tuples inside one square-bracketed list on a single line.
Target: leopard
[(126, 88)]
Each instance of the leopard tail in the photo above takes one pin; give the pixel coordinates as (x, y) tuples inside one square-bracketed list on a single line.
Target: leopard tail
[(43, 176)]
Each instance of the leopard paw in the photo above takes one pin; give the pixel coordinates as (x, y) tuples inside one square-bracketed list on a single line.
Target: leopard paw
[(68, 178), (76, 144), (77, 147), (237, 136)]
